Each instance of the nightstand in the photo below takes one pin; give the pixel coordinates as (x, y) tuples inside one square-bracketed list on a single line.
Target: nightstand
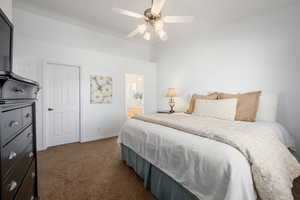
[(164, 112)]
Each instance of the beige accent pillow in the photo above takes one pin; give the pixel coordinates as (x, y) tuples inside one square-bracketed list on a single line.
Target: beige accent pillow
[(219, 109), (212, 96), (247, 105)]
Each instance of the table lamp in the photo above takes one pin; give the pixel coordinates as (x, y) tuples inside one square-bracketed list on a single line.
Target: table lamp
[(171, 93)]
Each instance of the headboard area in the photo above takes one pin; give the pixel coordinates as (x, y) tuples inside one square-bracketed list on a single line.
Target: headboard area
[(267, 109)]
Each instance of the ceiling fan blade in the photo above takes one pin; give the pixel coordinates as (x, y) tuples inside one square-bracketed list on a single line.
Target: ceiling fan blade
[(141, 29), (128, 13), (157, 6), (134, 32), (178, 19)]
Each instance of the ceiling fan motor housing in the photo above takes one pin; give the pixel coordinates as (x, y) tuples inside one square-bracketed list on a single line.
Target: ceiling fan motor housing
[(150, 17)]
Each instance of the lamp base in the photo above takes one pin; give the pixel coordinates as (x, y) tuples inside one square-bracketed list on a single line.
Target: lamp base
[(172, 105), (172, 109)]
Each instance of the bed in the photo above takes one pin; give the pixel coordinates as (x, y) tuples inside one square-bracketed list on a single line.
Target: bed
[(194, 167), (189, 157)]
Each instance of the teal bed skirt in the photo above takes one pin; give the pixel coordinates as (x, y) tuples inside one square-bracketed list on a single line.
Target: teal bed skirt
[(161, 185)]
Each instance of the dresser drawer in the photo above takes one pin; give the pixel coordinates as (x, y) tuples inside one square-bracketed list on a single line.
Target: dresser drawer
[(13, 89), (13, 181), (27, 189), (11, 123), (27, 115), (15, 151)]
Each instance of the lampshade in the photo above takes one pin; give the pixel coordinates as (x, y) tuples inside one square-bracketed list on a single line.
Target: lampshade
[(171, 92)]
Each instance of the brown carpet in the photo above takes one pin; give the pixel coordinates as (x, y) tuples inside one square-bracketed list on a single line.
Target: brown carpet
[(92, 171), (89, 171)]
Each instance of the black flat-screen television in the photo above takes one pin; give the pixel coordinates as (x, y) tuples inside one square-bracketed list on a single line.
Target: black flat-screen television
[(6, 43)]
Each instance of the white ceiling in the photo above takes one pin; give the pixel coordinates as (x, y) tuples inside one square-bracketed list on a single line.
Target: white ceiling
[(209, 13)]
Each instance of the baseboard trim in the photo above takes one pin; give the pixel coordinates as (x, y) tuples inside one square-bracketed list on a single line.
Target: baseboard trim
[(41, 148), (87, 139), (98, 137)]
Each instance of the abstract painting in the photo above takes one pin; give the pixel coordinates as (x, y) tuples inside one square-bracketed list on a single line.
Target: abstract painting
[(101, 89)]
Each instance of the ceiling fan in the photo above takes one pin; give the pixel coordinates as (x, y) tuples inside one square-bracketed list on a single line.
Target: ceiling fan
[(154, 20)]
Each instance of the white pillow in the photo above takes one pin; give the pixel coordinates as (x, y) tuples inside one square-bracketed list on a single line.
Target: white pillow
[(220, 109), (267, 108)]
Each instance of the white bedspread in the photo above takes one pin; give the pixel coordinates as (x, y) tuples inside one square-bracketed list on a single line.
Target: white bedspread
[(209, 169)]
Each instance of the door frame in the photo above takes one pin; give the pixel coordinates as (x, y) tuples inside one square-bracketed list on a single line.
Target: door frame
[(125, 85), (44, 106)]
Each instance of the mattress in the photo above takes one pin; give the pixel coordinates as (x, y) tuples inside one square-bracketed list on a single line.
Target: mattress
[(208, 169)]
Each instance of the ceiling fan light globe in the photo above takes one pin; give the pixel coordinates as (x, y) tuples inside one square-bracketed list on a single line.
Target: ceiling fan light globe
[(147, 36), (162, 35), (159, 25)]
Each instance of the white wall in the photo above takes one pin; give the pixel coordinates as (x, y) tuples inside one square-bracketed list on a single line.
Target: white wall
[(38, 39), (258, 53), (48, 29), (6, 6)]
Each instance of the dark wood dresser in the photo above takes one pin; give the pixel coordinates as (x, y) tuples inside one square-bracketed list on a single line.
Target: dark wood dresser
[(18, 165)]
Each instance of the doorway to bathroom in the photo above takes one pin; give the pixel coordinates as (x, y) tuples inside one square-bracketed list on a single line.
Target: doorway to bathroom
[(134, 95)]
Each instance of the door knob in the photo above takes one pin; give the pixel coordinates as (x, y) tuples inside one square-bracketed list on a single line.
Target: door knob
[(50, 109)]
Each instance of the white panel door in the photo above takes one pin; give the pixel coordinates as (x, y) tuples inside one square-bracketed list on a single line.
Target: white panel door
[(61, 104)]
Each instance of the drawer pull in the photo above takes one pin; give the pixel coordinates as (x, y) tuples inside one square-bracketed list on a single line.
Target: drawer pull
[(33, 175), (19, 90), (12, 155), (29, 135), (12, 186), (28, 115), (14, 124), (30, 154)]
